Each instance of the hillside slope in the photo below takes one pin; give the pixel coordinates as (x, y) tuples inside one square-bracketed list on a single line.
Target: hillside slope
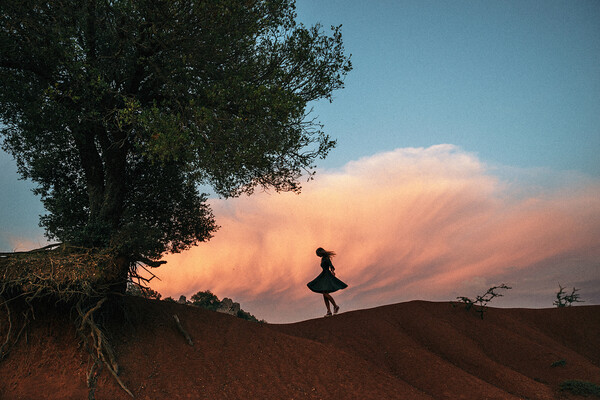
[(415, 350), (449, 353)]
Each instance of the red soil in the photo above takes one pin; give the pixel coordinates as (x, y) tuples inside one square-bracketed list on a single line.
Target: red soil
[(415, 350)]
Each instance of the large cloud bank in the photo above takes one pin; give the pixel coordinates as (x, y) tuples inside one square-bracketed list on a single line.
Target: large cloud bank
[(426, 223)]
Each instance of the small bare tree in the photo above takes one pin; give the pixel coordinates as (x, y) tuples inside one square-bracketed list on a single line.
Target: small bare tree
[(566, 300), (480, 302)]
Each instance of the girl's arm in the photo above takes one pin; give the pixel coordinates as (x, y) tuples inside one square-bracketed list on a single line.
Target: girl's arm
[(331, 267)]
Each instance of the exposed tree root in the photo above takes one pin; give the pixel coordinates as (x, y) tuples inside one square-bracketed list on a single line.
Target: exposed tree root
[(83, 278), (183, 331), (98, 346), (11, 340), (92, 379)]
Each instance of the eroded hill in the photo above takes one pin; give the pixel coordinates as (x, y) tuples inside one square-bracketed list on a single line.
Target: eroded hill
[(414, 350)]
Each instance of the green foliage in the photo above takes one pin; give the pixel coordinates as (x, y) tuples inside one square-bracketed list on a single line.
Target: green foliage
[(206, 300), (247, 316), (566, 300), (581, 388), (120, 109), (480, 302), (559, 363)]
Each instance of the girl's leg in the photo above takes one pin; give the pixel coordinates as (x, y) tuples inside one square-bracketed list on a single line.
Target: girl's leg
[(326, 297)]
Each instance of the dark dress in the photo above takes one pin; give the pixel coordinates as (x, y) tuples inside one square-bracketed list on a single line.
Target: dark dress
[(326, 282)]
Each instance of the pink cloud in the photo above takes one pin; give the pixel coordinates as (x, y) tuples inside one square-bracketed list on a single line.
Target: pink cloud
[(428, 223)]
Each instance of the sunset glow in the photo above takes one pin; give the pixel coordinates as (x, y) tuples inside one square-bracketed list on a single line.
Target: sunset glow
[(466, 156), (415, 223)]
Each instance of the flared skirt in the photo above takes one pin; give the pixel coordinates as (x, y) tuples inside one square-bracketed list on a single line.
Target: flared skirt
[(326, 283)]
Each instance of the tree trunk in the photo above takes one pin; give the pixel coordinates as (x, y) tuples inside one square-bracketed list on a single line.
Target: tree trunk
[(104, 165), (93, 169), (122, 263), (114, 190)]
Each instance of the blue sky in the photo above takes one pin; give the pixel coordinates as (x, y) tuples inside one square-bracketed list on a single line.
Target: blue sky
[(516, 82), (474, 127)]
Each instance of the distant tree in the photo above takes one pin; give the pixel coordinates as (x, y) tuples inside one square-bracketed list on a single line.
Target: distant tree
[(206, 299), (566, 300), (120, 109)]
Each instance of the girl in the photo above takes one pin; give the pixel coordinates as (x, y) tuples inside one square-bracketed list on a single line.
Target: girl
[(326, 282)]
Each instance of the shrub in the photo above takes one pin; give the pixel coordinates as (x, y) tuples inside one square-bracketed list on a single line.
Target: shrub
[(566, 300), (581, 388), (206, 300), (247, 316), (480, 302)]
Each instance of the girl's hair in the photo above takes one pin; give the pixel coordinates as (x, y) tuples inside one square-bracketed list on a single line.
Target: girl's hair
[(321, 252)]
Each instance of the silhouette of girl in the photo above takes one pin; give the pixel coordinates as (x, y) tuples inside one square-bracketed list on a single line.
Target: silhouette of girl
[(326, 282)]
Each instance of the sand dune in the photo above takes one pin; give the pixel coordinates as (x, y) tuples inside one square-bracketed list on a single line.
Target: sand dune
[(414, 350)]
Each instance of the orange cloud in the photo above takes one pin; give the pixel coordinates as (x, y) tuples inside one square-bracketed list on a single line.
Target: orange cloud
[(428, 223)]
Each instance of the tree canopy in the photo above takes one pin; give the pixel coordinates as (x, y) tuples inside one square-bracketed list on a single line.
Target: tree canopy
[(121, 109)]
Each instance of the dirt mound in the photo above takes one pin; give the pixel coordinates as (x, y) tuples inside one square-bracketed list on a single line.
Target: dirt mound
[(415, 350), (448, 353)]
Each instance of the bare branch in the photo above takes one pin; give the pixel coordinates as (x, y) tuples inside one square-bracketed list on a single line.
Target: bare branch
[(183, 332)]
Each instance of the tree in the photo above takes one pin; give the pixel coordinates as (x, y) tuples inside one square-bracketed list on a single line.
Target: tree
[(120, 109), (481, 301), (566, 300), (206, 299)]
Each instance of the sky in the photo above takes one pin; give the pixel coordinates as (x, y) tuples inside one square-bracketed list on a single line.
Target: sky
[(468, 136)]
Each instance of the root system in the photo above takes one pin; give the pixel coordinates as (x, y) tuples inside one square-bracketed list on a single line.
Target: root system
[(84, 279)]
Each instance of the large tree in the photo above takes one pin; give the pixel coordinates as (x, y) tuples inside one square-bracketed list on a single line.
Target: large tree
[(121, 109)]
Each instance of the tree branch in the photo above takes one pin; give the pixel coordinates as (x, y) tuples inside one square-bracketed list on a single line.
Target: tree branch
[(149, 262), (183, 332), (50, 246)]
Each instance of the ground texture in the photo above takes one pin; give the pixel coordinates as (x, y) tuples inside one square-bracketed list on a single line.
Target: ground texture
[(415, 350)]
